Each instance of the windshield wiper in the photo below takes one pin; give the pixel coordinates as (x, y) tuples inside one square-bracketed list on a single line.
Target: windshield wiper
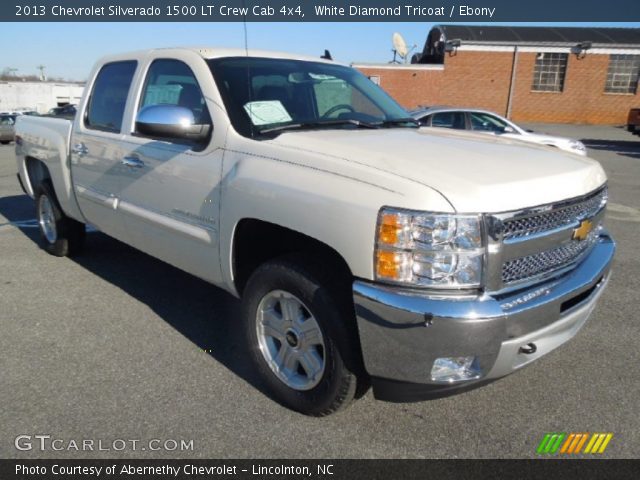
[(320, 124), (399, 121)]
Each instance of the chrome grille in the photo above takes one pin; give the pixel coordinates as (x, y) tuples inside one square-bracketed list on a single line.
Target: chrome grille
[(545, 262), (564, 215)]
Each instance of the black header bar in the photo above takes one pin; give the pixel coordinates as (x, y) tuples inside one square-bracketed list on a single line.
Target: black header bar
[(442, 11), (546, 469)]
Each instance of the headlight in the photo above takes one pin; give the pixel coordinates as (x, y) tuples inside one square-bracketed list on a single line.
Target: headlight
[(429, 249), (576, 145)]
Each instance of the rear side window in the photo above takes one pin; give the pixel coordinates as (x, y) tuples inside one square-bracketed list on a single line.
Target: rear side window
[(448, 120), (109, 96)]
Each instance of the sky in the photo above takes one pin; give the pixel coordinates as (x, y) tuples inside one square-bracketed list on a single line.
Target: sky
[(69, 50)]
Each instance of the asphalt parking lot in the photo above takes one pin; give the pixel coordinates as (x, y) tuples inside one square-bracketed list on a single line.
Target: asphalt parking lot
[(114, 344)]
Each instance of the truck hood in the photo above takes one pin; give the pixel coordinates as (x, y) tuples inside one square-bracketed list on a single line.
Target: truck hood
[(476, 173)]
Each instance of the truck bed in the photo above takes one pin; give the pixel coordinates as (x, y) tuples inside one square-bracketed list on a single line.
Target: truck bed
[(46, 139)]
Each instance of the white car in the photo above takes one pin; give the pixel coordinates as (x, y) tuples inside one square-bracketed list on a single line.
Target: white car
[(489, 122)]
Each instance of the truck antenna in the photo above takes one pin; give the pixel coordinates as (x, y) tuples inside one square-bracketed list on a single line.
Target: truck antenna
[(244, 26), (246, 51)]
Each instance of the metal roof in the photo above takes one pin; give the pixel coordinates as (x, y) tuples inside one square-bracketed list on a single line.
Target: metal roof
[(491, 35)]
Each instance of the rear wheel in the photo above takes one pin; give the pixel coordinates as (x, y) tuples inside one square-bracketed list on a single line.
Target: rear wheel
[(298, 335), (60, 235)]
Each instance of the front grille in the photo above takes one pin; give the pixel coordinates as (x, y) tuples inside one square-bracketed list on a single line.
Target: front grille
[(545, 262), (567, 214)]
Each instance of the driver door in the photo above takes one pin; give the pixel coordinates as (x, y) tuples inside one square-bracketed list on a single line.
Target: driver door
[(170, 190)]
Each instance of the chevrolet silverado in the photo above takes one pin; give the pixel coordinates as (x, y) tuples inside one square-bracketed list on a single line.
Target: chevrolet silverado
[(367, 251)]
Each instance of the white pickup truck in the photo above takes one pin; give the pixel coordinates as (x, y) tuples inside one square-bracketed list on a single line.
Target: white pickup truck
[(366, 251)]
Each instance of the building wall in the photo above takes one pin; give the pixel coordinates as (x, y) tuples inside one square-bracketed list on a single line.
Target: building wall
[(482, 79), (38, 96), (583, 99)]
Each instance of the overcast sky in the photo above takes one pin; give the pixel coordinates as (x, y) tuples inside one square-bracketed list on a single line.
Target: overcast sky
[(69, 50)]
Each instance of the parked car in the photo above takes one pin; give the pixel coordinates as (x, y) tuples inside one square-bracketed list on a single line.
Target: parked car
[(633, 121), (488, 122), (68, 111), (24, 111), (7, 125), (365, 250)]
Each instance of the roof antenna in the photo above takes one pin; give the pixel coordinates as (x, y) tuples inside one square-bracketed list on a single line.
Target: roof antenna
[(246, 51), (244, 25), (327, 55)]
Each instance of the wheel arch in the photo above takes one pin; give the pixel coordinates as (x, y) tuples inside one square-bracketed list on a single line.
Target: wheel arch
[(37, 171), (257, 241)]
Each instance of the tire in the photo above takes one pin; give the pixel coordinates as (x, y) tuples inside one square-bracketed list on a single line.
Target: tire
[(274, 289), (60, 235), (5, 142)]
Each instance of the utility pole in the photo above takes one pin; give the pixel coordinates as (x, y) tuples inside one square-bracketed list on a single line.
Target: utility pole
[(43, 77)]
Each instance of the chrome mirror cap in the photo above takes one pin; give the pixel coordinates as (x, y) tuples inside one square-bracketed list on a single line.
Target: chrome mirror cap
[(170, 121)]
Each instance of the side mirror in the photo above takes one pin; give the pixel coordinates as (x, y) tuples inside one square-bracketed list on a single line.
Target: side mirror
[(508, 129), (170, 121)]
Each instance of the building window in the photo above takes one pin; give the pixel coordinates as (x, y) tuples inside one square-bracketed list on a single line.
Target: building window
[(622, 76), (549, 72)]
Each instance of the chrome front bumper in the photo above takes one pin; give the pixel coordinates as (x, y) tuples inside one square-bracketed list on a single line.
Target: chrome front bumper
[(402, 332)]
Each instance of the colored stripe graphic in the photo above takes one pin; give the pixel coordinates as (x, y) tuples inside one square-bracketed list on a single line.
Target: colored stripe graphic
[(557, 443), (582, 441), (594, 437), (567, 443), (607, 439), (543, 443), (598, 443), (550, 443), (572, 443)]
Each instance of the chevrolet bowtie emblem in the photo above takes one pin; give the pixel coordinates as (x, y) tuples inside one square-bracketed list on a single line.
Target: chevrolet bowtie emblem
[(582, 232)]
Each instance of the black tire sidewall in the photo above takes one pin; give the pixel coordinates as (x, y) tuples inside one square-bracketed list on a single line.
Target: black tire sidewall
[(337, 385)]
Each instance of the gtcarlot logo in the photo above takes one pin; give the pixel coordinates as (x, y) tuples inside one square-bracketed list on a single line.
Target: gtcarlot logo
[(47, 443)]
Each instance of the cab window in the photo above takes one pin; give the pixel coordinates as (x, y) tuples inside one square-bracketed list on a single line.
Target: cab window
[(109, 96), (171, 82)]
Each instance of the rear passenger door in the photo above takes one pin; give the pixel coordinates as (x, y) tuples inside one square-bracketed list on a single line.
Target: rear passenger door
[(96, 150), (170, 198)]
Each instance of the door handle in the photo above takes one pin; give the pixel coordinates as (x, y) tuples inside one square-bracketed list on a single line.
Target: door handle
[(80, 149), (133, 162)]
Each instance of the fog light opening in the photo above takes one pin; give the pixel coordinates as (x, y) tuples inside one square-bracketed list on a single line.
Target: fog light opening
[(455, 369)]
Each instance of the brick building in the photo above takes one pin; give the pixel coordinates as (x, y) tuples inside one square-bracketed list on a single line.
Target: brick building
[(529, 74)]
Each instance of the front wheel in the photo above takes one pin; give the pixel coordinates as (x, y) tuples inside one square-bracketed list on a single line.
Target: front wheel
[(299, 338), (60, 235)]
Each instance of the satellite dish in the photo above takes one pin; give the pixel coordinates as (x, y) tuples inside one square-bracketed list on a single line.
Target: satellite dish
[(399, 45)]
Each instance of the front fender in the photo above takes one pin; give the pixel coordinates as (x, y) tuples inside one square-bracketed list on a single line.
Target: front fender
[(337, 209)]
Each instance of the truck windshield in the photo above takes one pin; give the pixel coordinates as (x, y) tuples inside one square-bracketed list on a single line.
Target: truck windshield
[(268, 95)]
